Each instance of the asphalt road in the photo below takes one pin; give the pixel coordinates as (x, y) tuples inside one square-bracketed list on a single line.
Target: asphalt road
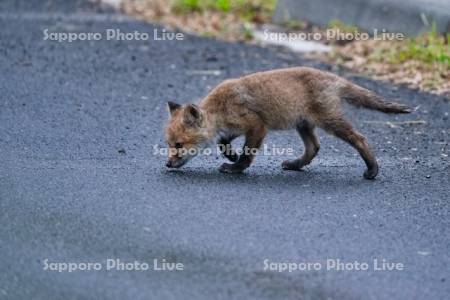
[(79, 181)]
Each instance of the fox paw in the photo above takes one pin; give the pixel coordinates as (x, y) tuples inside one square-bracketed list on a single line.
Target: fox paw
[(371, 173), (231, 168), (291, 165), (232, 157)]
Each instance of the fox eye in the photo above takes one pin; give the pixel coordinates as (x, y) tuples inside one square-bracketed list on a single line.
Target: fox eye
[(178, 146)]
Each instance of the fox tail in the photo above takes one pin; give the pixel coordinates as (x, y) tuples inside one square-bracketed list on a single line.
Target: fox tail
[(361, 97)]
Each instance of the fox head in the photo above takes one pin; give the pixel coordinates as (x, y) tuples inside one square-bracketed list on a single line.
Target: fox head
[(186, 133)]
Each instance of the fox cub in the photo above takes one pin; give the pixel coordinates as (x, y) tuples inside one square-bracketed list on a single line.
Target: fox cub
[(300, 98)]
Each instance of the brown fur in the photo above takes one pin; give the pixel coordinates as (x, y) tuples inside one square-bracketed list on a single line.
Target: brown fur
[(295, 98)]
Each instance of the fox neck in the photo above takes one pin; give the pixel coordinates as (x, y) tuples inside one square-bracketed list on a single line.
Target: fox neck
[(210, 125)]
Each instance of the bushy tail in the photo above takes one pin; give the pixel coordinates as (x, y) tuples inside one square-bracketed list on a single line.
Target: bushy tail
[(359, 96)]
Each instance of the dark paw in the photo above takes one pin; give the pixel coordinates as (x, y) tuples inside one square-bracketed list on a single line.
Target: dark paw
[(291, 165), (231, 168), (371, 173), (232, 157)]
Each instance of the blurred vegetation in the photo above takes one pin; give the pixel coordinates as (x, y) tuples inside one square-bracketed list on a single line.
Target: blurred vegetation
[(258, 11), (420, 62), (338, 24), (429, 48)]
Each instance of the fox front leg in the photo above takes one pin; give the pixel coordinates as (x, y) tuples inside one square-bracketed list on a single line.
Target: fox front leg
[(253, 140), (226, 149)]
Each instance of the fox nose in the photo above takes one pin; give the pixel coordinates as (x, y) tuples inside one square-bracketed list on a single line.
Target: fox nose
[(169, 164)]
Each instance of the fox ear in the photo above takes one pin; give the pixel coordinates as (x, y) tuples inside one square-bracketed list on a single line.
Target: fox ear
[(192, 115), (173, 107)]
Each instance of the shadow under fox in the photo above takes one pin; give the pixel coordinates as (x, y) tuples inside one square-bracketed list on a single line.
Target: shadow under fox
[(300, 98)]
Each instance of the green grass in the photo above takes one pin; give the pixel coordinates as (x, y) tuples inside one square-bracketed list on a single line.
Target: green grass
[(247, 10), (429, 48), (293, 25), (338, 24), (184, 6)]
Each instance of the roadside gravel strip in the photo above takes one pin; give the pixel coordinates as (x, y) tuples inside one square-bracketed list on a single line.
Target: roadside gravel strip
[(79, 182)]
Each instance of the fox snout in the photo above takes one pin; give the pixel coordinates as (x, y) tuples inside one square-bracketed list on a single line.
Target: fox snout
[(175, 163), (178, 161)]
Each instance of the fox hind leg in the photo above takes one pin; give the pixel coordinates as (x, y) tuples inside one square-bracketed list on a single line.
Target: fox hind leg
[(312, 146), (342, 129)]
